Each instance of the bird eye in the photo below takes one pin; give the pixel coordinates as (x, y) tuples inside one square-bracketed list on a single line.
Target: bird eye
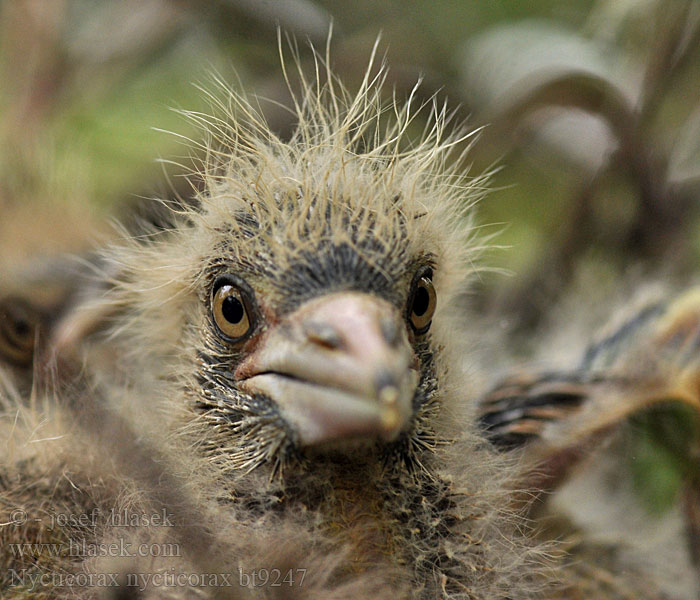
[(18, 327), (422, 303), (230, 308)]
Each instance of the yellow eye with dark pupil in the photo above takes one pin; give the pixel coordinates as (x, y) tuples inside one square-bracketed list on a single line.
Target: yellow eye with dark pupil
[(232, 309), (423, 305), (230, 312), (421, 302)]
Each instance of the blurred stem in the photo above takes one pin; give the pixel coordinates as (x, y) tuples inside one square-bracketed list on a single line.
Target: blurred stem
[(680, 38)]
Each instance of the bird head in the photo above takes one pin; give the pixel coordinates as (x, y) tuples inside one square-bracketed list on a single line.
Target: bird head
[(301, 288), (315, 318)]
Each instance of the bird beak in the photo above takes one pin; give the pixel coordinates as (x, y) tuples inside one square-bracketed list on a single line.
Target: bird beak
[(339, 367)]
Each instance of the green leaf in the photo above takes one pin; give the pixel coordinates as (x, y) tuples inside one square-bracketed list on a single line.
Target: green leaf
[(662, 453)]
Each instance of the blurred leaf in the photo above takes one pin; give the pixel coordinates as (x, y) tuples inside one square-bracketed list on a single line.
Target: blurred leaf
[(586, 139), (535, 64), (510, 58)]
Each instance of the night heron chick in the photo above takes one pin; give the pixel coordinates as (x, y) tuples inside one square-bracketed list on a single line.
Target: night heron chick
[(296, 330), (279, 367)]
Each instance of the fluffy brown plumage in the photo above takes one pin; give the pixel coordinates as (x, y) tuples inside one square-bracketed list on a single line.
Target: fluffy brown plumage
[(645, 358), (277, 372), (277, 344), (571, 430)]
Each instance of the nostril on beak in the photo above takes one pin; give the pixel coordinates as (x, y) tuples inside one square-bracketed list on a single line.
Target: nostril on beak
[(322, 334), (390, 331)]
